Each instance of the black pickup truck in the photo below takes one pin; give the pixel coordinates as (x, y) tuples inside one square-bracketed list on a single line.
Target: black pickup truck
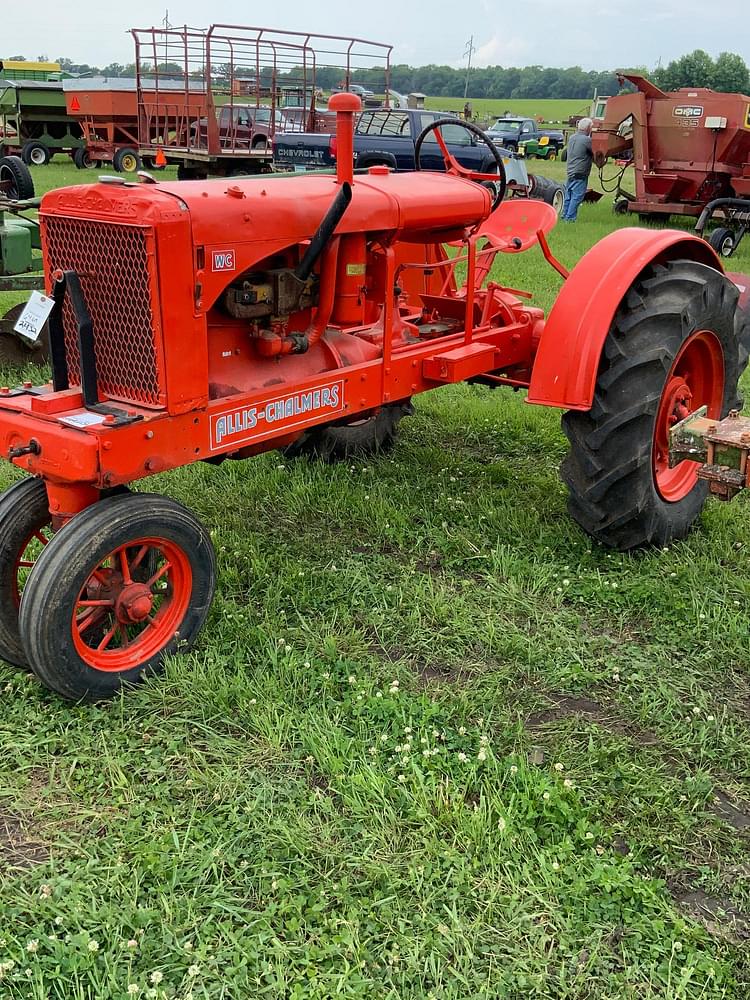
[(512, 132), (387, 137)]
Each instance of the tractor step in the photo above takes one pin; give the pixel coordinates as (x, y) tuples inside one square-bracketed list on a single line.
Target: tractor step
[(722, 446)]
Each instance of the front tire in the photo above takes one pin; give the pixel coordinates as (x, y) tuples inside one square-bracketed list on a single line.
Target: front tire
[(126, 583), (126, 161), (16, 181), (672, 348), (723, 241), (25, 529)]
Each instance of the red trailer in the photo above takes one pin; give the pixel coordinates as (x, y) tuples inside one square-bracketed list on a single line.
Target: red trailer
[(197, 116), (107, 109), (689, 147)]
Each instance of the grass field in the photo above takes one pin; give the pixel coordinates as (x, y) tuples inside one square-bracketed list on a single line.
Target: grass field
[(550, 110), (433, 742)]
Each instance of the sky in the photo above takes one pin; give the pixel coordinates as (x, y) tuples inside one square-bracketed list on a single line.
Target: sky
[(593, 34)]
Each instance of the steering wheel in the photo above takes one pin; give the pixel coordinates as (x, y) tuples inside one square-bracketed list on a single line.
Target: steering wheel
[(452, 166)]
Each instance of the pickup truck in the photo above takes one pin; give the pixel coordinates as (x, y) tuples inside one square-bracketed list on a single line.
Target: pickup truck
[(512, 132), (386, 137)]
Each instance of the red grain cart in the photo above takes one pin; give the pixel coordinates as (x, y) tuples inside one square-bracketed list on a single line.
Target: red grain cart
[(212, 321), (689, 147), (107, 109)]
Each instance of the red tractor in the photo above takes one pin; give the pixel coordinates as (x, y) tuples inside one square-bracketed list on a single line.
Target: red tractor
[(213, 320)]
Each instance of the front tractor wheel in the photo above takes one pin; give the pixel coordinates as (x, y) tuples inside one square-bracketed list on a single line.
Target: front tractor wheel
[(673, 347), (25, 530), (127, 582)]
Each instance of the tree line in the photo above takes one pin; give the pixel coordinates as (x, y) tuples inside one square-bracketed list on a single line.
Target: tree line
[(728, 72)]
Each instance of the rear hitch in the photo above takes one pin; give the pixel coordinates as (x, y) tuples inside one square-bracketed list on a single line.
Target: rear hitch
[(722, 446)]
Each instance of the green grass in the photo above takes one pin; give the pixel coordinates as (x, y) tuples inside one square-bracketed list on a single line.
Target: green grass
[(433, 742), (550, 110)]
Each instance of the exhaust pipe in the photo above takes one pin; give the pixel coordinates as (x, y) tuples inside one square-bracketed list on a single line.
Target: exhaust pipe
[(324, 233)]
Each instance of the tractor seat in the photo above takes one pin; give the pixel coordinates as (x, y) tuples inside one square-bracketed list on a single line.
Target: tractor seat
[(513, 226)]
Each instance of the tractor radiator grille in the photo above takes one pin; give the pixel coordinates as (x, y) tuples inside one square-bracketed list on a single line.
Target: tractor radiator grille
[(116, 270)]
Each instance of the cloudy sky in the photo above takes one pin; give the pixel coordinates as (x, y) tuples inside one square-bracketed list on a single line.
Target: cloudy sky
[(589, 33)]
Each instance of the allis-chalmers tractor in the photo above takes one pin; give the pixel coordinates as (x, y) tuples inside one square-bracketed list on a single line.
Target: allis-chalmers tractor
[(691, 153), (212, 320)]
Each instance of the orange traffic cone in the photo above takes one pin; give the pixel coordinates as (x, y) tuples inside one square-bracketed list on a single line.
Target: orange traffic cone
[(160, 159)]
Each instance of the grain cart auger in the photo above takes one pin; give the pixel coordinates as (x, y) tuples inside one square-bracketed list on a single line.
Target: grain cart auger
[(211, 320)]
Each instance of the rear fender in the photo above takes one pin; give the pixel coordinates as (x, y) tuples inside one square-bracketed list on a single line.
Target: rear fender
[(567, 361)]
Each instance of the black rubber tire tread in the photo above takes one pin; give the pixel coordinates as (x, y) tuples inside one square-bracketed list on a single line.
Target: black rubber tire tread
[(63, 567), (30, 147), (340, 442), (608, 471), (22, 183), (82, 159), (24, 508), (120, 155), (718, 237)]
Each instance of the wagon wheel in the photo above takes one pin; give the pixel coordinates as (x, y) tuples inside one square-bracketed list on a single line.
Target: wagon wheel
[(16, 182), (90, 621), (340, 442), (674, 346), (452, 165), (25, 529), (14, 350)]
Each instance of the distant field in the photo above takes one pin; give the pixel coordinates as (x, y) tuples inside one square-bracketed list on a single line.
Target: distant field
[(551, 111)]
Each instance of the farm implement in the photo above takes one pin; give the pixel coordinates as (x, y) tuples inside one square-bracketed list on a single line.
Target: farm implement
[(691, 152), (215, 320), (19, 269)]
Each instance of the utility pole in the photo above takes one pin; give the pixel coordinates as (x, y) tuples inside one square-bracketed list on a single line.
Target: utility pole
[(167, 26), (468, 52)]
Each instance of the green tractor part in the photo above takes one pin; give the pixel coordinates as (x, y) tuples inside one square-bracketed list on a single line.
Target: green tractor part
[(722, 446), (541, 148), (20, 271)]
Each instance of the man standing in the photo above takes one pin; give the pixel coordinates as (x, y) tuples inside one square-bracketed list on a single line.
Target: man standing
[(580, 158)]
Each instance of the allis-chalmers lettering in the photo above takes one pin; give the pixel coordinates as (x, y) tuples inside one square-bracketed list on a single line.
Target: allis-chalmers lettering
[(237, 425)]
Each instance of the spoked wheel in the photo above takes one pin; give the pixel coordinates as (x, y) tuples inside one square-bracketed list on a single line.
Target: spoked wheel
[(127, 582), (673, 347), (25, 530), (340, 442)]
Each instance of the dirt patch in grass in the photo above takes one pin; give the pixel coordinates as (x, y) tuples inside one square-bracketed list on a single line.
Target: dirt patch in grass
[(718, 914), (19, 849), (607, 717)]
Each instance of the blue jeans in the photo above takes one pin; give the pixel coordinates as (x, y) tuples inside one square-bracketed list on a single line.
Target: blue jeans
[(575, 189)]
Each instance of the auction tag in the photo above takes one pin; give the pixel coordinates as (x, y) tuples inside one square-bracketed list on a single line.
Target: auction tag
[(35, 314)]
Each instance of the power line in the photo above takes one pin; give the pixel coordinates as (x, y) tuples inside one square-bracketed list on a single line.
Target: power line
[(468, 53)]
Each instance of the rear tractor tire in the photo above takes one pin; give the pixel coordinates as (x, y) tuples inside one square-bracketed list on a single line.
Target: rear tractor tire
[(340, 442), (674, 345), (126, 583)]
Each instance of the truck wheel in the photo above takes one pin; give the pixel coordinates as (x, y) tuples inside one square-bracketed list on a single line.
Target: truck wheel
[(25, 529), (672, 348), (361, 437), (92, 621), (16, 181), (261, 142), (126, 161), (723, 241), (82, 159), (36, 154)]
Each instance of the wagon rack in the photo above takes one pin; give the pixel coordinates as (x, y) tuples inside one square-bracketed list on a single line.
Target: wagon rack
[(226, 68)]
